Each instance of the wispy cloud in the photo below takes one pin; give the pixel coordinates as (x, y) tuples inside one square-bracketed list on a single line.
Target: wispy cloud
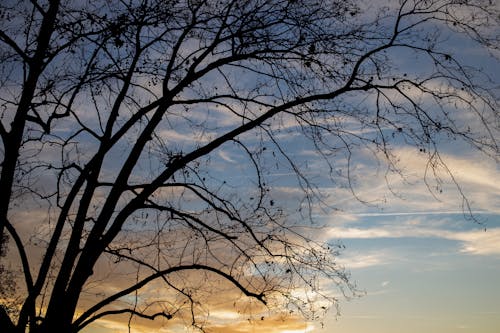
[(479, 242), (226, 156), (475, 242), (410, 194), (364, 260)]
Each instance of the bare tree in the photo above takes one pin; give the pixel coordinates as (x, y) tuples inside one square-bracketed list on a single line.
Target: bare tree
[(114, 115)]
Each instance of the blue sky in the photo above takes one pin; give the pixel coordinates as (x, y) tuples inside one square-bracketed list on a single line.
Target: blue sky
[(424, 283), (420, 262), (423, 265)]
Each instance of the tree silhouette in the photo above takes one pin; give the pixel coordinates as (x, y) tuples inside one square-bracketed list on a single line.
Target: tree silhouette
[(114, 116)]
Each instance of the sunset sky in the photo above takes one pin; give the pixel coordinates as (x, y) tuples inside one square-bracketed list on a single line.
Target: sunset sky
[(420, 263), (412, 206)]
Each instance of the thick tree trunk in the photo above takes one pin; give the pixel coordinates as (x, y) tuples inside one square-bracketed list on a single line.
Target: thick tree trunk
[(5, 323), (12, 140)]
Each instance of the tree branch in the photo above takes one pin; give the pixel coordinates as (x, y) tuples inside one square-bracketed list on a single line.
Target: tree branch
[(9, 41), (82, 320), (122, 311)]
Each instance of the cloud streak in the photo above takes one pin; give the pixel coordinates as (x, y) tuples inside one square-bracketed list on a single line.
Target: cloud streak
[(365, 259), (475, 242)]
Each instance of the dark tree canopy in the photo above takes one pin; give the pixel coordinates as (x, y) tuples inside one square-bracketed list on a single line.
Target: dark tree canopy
[(116, 196)]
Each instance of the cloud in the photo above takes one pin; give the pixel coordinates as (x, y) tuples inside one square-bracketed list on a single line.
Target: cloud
[(273, 324), (238, 324), (415, 192), (485, 242), (365, 259), (170, 135), (475, 242), (226, 156), (473, 174)]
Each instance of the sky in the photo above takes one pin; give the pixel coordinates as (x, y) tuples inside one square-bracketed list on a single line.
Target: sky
[(421, 261), (423, 272), (421, 264)]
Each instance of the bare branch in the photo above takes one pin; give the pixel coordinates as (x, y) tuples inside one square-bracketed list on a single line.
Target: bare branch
[(82, 320)]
